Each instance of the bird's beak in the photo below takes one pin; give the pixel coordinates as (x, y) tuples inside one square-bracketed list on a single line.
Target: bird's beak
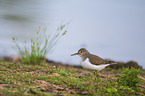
[(75, 54)]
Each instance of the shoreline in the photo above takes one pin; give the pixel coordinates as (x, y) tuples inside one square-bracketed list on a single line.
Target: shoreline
[(116, 66)]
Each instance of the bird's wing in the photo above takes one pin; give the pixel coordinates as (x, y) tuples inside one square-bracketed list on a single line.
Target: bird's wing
[(96, 60)]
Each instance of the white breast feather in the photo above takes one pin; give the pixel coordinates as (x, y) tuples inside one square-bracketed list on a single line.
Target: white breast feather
[(87, 65)]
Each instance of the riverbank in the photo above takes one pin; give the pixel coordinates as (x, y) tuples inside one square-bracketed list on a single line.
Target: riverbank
[(52, 78)]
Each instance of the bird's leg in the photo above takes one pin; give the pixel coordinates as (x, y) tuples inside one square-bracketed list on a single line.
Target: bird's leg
[(93, 78), (95, 75)]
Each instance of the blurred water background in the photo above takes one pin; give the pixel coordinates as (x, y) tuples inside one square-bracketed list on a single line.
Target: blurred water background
[(108, 28)]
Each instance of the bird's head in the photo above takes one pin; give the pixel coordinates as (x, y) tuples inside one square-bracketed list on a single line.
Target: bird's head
[(82, 52)]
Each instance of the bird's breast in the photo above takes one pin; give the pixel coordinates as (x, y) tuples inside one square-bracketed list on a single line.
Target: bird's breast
[(87, 65)]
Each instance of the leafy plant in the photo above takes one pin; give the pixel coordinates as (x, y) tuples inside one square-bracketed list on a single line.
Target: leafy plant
[(37, 47), (129, 77)]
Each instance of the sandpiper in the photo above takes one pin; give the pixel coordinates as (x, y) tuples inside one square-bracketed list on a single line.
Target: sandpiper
[(90, 61)]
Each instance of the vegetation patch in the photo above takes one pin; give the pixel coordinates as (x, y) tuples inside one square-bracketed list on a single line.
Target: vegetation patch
[(46, 79), (34, 49)]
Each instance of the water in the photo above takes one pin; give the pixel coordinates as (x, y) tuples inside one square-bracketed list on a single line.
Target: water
[(109, 29)]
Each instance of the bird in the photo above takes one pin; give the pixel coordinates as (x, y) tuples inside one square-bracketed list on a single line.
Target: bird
[(90, 61)]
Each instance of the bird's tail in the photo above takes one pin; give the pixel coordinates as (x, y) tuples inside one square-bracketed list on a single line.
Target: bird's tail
[(113, 63), (109, 64)]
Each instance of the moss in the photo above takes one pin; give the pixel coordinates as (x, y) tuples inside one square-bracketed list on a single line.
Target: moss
[(45, 79)]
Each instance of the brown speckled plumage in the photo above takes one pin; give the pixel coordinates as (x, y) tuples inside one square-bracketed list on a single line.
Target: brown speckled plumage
[(84, 54), (96, 59)]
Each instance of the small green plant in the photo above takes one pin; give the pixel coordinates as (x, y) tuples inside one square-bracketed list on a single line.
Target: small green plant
[(37, 47), (129, 77)]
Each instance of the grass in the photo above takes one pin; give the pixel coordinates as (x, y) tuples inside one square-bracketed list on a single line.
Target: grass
[(34, 49), (50, 79)]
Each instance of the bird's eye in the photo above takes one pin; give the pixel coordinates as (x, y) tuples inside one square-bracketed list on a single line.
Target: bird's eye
[(81, 51)]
